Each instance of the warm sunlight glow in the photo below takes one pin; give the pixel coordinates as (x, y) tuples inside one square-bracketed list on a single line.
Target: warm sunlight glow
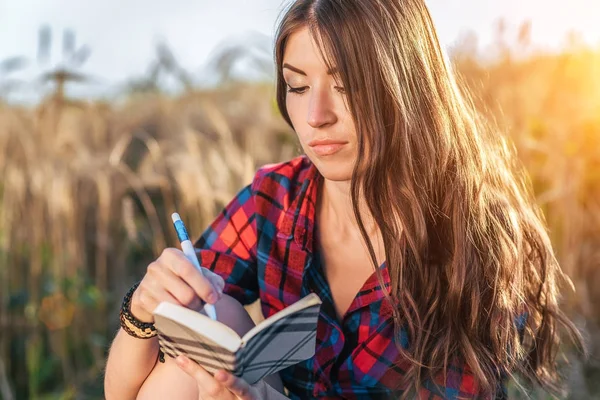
[(553, 19)]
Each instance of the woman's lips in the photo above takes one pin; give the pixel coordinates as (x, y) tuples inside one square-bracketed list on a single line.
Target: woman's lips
[(326, 147)]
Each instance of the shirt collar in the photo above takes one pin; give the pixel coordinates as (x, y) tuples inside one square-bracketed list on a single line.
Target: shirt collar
[(298, 224), (299, 218)]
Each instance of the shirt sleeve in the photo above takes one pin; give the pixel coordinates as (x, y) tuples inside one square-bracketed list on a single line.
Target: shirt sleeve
[(228, 247)]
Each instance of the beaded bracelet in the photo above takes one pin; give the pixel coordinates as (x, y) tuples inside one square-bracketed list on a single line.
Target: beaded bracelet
[(133, 326)]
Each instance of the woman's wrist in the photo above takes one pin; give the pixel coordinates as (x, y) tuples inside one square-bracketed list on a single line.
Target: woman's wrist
[(130, 323), (137, 311)]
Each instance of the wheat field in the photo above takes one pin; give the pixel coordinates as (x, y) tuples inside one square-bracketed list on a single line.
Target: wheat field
[(88, 187)]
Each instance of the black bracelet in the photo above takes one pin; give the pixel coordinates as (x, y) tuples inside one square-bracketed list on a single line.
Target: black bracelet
[(130, 324), (126, 310), (145, 330)]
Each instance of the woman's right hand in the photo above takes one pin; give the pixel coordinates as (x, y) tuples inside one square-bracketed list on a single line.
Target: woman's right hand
[(173, 278)]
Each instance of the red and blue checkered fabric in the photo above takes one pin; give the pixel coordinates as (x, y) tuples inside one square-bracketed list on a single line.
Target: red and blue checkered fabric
[(262, 244)]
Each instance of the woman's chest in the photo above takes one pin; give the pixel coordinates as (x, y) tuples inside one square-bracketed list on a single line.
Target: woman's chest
[(290, 267), (352, 358), (349, 342), (346, 266)]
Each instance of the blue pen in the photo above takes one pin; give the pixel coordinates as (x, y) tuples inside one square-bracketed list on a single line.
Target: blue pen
[(190, 253)]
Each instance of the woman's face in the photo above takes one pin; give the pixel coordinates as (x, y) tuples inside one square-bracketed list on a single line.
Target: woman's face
[(315, 104)]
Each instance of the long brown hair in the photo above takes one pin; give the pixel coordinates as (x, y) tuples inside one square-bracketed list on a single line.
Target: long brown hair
[(466, 246)]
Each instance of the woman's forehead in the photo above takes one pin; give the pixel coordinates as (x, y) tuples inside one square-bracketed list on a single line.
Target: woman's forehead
[(302, 53)]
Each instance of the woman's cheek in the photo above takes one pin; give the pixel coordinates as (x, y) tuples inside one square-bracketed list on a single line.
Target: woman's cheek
[(295, 114)]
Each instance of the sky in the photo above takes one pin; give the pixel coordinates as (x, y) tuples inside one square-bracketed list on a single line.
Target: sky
[(122, 33)]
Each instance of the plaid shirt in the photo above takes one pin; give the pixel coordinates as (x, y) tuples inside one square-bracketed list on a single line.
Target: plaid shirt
[(262, 244)]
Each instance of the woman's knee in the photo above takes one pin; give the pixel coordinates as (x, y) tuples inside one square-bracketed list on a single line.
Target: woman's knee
[(231, 313)]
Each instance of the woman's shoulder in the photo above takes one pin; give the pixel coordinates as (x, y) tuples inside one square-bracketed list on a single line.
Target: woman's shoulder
[(279, 183)]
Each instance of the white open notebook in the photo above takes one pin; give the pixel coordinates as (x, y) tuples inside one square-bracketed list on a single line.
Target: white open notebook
[(282, 340)]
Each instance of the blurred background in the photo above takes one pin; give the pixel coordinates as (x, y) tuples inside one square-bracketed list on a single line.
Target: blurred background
[(113, 114)]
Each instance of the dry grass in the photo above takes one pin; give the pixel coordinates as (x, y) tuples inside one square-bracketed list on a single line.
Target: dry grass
[(84, 202), (550, 105), (88, 188)]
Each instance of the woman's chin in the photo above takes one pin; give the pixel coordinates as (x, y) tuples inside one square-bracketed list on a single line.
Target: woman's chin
[(332, 169)]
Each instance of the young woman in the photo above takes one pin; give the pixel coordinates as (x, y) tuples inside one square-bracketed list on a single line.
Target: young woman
[(404, 215)]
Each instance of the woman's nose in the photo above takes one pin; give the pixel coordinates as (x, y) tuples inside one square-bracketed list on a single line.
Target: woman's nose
[(320, 109)]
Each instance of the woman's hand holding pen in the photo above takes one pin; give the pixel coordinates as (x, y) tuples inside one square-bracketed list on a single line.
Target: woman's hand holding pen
[(173, 278)]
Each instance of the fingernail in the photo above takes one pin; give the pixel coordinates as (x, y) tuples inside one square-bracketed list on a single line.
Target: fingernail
[(213, 297)]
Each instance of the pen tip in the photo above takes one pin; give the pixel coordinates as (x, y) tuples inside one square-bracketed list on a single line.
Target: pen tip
[(175, 217)]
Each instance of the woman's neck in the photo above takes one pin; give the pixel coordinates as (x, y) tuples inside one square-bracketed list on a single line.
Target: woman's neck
[(335, 208)]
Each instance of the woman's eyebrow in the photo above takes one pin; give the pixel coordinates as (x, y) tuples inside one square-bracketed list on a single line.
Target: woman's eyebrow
[(299, 71)]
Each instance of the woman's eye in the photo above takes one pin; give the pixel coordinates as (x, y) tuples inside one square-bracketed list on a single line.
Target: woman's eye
[(298, 90)]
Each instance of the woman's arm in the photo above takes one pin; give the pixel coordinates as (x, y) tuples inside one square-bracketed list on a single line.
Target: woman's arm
[(170, 278), (227, 247), (130, 361)]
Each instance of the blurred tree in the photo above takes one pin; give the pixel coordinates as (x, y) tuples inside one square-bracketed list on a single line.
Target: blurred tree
[(166, 59), (72, 59), (524, 36), (466, 47), (254, 52), (148, 83), (7, 67), (164, 65), (501, 43)]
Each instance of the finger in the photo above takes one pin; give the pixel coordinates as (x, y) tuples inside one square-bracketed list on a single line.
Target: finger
[(208, 386), (152, 297), (146, 303), (237, 386), (176, 287), (216, 280), (182, 267), (208, 273)]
